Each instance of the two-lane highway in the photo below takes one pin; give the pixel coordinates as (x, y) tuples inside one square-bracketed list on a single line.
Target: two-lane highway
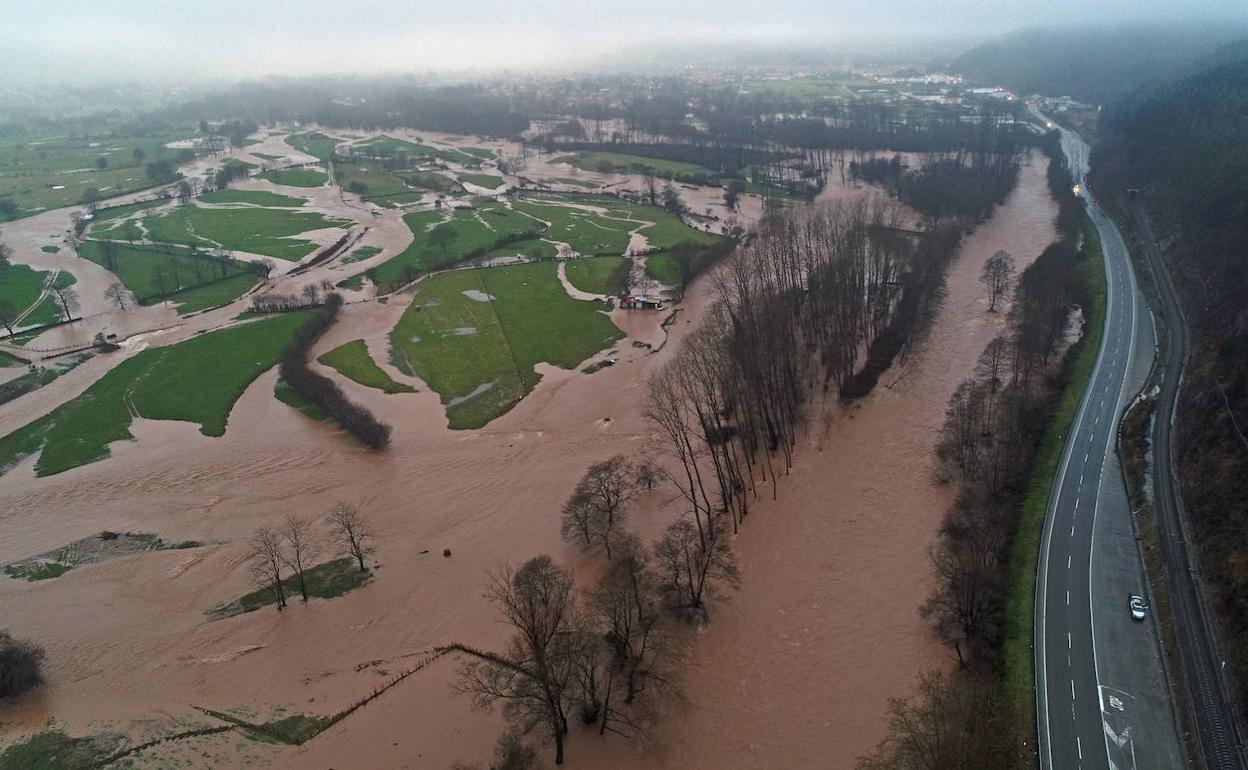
[(1102, 696)]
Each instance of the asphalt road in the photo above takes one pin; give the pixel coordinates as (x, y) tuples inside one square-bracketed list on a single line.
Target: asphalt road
[(1103, 699)]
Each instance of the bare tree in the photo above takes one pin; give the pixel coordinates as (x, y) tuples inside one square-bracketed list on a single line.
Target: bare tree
[(689, 563), (533, 678), (117, 294), (8, 314), (267, 266), (998, 276), (954, 720), (268, 556), (599, 503), (626, 609), (351, 533), (67, 298), (311, 293), (302, 549)]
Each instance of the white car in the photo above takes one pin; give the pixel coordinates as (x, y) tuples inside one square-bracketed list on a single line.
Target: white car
[(1137, 606)]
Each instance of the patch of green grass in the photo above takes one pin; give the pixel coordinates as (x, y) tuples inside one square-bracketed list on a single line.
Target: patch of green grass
[(42, 171), (293, 398), (1018, 661), (381, 185), (153, 275), (266, 156), (325, 581), (9, 360), (256, 197), (616, 162), (533, 248), (21, 285), (125, 230), (214, 294), (476, 335), (52, 749), (313, 143), (488, 181), (254, 230), (388, 146), (474, 231), (113, 213), (587, 233), (296, 177), (353, 362), (576, 182), (479, 152), (361, 254), (599, 275), (50, 249), (197, 380), (432, 180), (46, 570)]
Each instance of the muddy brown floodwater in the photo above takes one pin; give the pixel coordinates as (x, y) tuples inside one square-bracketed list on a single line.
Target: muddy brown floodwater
[(794, 670)]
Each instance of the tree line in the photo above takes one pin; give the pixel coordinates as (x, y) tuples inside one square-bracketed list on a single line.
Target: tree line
[(992, 429), (356, 419)]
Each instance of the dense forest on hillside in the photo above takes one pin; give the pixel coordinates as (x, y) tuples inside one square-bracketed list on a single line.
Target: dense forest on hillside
[(1092, 65), (1182, 145)]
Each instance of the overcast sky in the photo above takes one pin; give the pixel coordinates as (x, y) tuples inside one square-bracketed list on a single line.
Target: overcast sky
[(229, 39)]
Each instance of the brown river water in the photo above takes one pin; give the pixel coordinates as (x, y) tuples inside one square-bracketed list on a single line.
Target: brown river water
[(794, 670)]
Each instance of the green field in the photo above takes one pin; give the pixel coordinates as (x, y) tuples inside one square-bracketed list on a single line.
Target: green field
[(479, 152), (197, 380), (599, 275), (20, 285), (254, 197), (353, 362), (533, 248), (431, 180), (617, 162), (266, 156), (33, 166), (474, 231), (488, 181), (381, 184), (153, 275), (575, 182), (296, 177), (388, 146), (585, 232), (126, 209), (475, 335), (313, 143), (254, 230), (360, 254)]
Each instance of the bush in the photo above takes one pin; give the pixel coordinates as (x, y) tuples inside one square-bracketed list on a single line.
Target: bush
[(20, 665)]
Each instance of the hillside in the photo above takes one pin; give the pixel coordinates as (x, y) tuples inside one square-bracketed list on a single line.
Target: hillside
[(1181, 144), (1092, 65)]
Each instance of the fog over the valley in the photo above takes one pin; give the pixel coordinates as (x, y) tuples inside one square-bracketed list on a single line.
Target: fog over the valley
[(95, 40)]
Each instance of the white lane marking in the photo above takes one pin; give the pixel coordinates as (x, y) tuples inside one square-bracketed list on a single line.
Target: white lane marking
[(1067, 562), (1079, 745), (1068, 598), (1068, 646), (1072, 689), (1072, 530)]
